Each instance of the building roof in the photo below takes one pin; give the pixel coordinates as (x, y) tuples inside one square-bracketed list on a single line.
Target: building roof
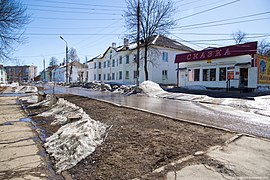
[(162, 41), (156, 40)]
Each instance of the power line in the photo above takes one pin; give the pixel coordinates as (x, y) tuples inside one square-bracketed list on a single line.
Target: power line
[(203, 5), (80, 4), (76, 19), (207, 10), (189, 3), (73, 12), (219, 34), (39, 27), (222, 24), (61, 7), (226, 39), (211, 22), (68, 34)]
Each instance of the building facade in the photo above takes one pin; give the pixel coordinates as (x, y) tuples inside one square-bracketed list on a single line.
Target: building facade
[(118, 64), (3, 75), (21, 73), (226, 67)]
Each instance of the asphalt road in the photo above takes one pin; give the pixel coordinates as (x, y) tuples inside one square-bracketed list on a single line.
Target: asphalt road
[(210, 114)]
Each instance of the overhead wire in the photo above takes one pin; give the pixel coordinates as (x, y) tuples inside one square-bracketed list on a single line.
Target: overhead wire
[(80, 4), (200, 12)]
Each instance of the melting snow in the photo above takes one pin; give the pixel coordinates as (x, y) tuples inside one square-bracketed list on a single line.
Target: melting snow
[(73, 141)]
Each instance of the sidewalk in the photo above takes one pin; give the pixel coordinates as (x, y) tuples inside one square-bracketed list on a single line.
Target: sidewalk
[(243, 158), (19, 157)]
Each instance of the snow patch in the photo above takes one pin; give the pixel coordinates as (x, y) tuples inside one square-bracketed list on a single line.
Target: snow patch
[(74, 141), (26, 89), (151, 89)]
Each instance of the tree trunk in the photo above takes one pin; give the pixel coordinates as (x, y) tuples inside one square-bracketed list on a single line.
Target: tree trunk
[(145, 61)]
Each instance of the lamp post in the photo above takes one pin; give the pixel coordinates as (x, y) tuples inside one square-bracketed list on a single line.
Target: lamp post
[(66, 58)]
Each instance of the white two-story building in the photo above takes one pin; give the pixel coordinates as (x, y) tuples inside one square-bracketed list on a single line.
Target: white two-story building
[(118, 64), (3, 75)]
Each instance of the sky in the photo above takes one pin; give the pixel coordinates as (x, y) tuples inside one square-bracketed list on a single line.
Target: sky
[(92, 26)]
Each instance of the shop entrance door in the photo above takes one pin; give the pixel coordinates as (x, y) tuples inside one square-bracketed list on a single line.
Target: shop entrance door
[(243, 79)]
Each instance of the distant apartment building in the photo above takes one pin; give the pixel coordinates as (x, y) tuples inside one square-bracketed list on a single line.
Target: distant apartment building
[(3, 75), (21, 73), (118, 64), (77, 72)]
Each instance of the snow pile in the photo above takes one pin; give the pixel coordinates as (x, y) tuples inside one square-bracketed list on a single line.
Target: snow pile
[(26, 89), (76, 140), (151, 89), (62, 111), (96, 85), (30, 99), (261, 105), (123, 89)]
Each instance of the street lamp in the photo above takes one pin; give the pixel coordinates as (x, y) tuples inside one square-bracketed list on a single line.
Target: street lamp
[(66, 58)]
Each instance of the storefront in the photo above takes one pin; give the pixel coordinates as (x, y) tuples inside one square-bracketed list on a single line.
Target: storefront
[(235, 66)]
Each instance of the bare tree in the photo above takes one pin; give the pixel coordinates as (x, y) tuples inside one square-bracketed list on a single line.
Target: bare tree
[(52, 66), (239, 36), (53, 61), (264, 48), (155, 17), (73, 55), (13, 19)]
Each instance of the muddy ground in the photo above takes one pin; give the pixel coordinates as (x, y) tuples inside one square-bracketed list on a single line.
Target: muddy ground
[(138, 142)]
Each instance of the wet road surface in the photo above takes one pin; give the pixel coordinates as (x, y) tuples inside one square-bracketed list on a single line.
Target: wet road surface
[(210, 114)]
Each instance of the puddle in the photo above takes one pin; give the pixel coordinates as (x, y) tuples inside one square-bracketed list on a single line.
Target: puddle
[(27, 119), (7, 123)]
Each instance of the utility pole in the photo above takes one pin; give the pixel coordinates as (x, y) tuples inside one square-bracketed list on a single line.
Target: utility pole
[(44, 70), (66, 58), (138, 44)]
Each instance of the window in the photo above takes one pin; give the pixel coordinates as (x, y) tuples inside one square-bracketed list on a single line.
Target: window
[(108, 63), (120, 75), (209, 74), (104, 76), (127, 75), (127, 59), (120, 60), (99, 65), (111, 56), (95, 77), (113, 76), (222, 74), (134, 74), (230, 72), (165, 57), (164, 74), (196, 74), (95, 65), (108, 76), (99, 77), (104, 64), (113, 63)]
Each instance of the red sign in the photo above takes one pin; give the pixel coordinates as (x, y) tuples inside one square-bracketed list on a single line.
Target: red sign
[(215, 53)]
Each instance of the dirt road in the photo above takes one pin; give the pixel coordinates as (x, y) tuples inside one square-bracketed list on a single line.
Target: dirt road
[(138, 142)]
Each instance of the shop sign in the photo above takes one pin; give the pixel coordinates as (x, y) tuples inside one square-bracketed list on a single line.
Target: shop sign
[(215, 53), (263, 64)]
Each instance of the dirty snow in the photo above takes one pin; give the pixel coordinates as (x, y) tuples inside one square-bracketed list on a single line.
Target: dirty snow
[(26, 89), (151, 89), (30, 99), (74, 140), (261, 104)]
